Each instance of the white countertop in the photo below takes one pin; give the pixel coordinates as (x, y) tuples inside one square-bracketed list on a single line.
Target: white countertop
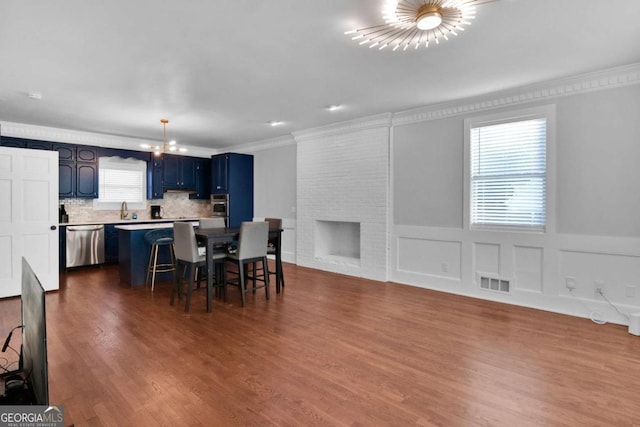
[(129, 221), (132, 227)]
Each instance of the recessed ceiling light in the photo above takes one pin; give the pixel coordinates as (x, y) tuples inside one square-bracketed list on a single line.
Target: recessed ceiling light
[(34, 95), (334, 107), (276, 123)]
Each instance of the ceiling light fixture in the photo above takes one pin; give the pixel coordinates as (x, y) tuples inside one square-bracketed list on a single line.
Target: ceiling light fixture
[(276, 123), (167, 146), (334, 107), (417, 23)]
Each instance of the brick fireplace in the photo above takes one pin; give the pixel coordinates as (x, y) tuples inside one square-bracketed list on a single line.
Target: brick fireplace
[(343, 197)]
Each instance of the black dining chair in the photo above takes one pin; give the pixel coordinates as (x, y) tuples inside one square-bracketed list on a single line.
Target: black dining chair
[(252, 249), (191, 258), (275, 224)]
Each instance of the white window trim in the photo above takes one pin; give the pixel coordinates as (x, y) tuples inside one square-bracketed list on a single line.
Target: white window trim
[(129, 163), (546, 111)]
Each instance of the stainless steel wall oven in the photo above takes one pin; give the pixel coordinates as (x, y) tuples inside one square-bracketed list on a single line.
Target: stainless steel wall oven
[(220, 206)]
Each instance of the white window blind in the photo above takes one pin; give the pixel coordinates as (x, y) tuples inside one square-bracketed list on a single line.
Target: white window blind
[(508, 174), (121, 180), (120, 185)]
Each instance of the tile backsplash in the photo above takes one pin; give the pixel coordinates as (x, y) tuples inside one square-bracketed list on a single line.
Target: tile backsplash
[(174, 205)]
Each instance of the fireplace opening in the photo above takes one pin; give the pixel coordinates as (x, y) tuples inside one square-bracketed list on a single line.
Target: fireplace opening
[(338, 241)]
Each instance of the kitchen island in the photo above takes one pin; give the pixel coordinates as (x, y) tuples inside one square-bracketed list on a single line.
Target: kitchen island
[(133, 252)]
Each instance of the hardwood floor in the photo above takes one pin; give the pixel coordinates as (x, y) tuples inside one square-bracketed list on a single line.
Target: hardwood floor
[(329, 350)]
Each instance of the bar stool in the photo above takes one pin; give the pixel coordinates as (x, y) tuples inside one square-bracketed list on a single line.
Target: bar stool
[(157, 238)]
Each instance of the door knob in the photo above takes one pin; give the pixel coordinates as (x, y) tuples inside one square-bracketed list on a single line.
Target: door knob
[(53, 227)]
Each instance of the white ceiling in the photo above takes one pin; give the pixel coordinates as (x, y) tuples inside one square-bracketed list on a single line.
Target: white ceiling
[(221, 70)]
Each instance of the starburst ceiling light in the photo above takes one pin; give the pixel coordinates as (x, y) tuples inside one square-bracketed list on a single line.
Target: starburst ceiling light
[(416, 23)]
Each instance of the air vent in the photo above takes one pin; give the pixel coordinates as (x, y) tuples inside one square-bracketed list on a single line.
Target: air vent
[(494, 284)]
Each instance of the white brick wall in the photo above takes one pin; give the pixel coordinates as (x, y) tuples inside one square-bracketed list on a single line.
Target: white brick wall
[(343, 175)]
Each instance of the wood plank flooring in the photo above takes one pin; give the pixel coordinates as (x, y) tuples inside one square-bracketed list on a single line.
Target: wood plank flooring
[(330, 350)]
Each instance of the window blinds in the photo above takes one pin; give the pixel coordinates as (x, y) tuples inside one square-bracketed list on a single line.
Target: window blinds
[(508, 174), (120, 185)]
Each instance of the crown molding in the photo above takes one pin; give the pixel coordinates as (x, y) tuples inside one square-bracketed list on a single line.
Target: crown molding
[(67, 136), (583, 83), (266, 144), (371, 122)]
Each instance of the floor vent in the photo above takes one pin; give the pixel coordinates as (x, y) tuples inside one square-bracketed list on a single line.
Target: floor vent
[(494, 284)]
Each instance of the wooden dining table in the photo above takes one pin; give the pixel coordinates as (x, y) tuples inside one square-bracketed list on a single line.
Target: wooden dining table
[(215, 236)]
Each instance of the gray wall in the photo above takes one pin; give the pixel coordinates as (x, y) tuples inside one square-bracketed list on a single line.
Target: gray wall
[(598, 176), (598, 163), (275, 182)]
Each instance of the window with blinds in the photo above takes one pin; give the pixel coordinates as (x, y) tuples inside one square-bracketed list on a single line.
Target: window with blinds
[(508, 174), (121, 180), (120, 185)]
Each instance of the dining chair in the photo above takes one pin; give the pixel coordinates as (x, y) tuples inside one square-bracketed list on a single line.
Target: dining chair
[(272, 249), (252, 249), (189, 258), (212, 223), (218, 248)]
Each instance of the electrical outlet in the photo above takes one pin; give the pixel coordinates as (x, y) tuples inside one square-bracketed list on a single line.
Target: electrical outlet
[(630, 291), (570, 282), (445, 267), (598, 287)]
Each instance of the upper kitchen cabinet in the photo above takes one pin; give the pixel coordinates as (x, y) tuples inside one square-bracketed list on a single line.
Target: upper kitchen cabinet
[(7, 141), (78, 171), (25, 143), (179, 173), (232, 173), (203, 181), (219, 168), (154, 178)]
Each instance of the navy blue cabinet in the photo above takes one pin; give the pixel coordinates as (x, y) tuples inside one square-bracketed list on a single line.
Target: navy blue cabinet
[(39, 145), (203, 181), (219, 174), (33, 144), (110, 243), (66, 179), (77, 171), (232, 173), (62, 248), (154, 178), (179, 173), (8, 141)]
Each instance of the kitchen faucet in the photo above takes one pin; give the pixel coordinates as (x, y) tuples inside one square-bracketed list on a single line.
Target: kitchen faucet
[(123, 211)]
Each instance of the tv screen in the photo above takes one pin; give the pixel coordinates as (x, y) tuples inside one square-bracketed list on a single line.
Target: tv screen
[(34, 335)]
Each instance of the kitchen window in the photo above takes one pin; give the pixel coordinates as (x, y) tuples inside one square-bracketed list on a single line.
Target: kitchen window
[(507, 171), (121, 180)]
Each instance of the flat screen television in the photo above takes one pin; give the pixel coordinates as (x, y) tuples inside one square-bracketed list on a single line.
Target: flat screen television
[(33, 355)]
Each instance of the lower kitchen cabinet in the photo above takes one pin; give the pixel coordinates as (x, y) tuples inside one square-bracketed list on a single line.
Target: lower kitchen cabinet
[(110, 243), (62, 248)]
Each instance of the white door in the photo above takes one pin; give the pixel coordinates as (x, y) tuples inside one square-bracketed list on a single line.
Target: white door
[(28, 217)]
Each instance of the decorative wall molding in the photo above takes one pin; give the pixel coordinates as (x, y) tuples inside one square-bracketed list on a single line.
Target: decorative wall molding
[(371, 122), (590, 82), (266, 144), (44, 133)]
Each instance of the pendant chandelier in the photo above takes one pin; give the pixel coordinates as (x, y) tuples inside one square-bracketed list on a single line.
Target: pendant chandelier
[(417, 23), (167, 146)]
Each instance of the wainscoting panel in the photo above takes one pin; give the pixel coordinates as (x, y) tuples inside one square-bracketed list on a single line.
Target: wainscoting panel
[(619, 274), (535, 265), (430, 257), (528, 268), (487, 258)]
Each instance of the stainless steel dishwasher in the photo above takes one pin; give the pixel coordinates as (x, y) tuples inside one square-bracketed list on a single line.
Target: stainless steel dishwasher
[(85, 245)]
